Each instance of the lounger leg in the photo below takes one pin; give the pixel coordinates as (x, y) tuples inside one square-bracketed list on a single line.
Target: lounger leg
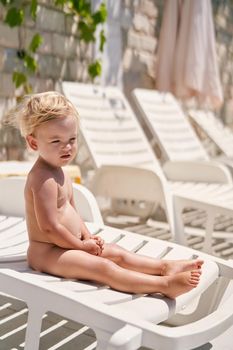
[(102, 338), (126, 338), (32, 338)]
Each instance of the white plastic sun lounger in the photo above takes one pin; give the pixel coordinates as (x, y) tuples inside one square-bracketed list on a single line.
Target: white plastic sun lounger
[(120, 320), (220, 134), (113, 136), (169, 126)]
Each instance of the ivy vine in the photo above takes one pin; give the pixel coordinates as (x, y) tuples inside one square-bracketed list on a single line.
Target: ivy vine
[(18, 10)]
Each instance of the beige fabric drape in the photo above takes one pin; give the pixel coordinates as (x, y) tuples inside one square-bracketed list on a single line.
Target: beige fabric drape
[(187, 60)]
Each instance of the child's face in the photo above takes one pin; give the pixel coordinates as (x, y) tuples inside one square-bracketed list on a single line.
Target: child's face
[(56, 140)]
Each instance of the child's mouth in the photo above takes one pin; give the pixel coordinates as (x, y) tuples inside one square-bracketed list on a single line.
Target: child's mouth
[(65, 156)]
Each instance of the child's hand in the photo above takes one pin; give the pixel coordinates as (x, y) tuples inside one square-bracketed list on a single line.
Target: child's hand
[(92, 247), (99, 241)]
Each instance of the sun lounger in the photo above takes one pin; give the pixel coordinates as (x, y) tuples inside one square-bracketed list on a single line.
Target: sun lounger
[(114, 137), (120, 320), (169, 126), (220, 134)]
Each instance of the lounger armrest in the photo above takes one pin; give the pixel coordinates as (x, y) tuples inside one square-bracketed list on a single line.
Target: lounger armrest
[(200, 171), (185, 337), (87, 204), (200, 332)]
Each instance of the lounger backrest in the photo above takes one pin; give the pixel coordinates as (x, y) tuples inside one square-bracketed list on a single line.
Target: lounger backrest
[(12, 197), (220, 134), (169, 126), (110, 128)]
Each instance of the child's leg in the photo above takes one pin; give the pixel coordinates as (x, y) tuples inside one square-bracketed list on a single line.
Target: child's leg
[(146, 264), (84, 266)]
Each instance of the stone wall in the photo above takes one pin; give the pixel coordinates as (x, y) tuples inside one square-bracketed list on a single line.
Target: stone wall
[(140, 43), (61, 57)]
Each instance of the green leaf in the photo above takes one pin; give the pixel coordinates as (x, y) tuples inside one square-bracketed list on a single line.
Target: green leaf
[(82, 7), (35, 42), (6, 2), (100, 16), (86, 31), (102, 41), (60, 2), (14, 17), (30, 63), (19, 78), (95, 69), (33, 9)]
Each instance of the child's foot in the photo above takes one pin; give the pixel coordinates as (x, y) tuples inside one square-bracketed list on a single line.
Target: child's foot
[(172, 267), (181, 283)]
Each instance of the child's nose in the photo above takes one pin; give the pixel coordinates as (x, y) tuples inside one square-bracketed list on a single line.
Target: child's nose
[(67, 146)]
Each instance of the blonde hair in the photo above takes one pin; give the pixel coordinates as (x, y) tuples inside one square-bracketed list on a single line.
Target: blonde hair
[(37, 109)]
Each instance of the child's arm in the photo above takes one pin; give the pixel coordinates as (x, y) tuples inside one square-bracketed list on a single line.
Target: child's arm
[(86, 235), (45, 204), (84, 230)]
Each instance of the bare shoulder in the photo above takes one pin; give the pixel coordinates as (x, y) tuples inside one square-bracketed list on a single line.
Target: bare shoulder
[(39, 177)]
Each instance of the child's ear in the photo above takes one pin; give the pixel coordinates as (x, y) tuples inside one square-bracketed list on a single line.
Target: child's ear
[(32, 142)]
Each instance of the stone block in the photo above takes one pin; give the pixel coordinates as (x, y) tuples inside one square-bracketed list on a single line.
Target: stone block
[(9, 36), (149, 44), (64, 45), (71, 24), (2, 58), (148, 8), (49, 66), (134, 40), (6, 85), (77, 70), (28, 20), (50, 20), (40, 85), (141, 42), (141, 23)]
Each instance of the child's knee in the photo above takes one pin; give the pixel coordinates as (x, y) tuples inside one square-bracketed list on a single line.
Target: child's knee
[(107, 266), (118, 254)]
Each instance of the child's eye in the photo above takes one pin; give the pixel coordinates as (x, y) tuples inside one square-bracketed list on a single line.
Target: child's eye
[(55, 141), (73, 139)]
